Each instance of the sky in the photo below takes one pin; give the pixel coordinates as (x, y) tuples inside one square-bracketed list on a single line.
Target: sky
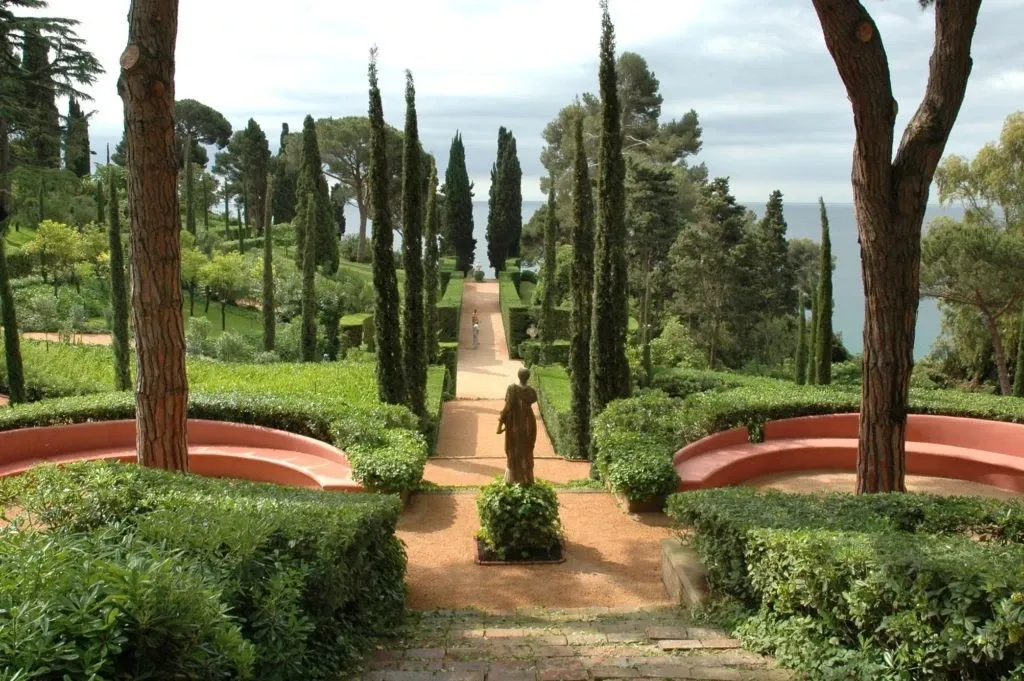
[(774, 112)]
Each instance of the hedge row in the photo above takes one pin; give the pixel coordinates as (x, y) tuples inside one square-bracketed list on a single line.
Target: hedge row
[(553, 397), (352, 326), (449, 310), (147, 574), (533, 352), (448, 357), (871, 586), (386, 452)]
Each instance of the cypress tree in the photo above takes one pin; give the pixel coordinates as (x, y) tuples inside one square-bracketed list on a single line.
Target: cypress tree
[(76, 140), (1018, 372), (319, 222), (269, 316), (582, 282), (823, 337), (391, 386), (801, 344), (459, 205), (495, 222), (101, 203), (512, 199), (12, 343), (414, 347), (118, 294), (284, 183), (547, 308), (431, 281), (609, 366), (812, 343), (308, 347)]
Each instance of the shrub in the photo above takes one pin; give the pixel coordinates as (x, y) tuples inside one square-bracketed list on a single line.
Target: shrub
[(887, 606), (554, 397), (352, 328), (682, 383), (311, 576), (636, 467), (233, 347), (449, 310), (478, 275), (105, 604), (527, 276), (675, 348), (534, 352), (448, 356), (518, 520), (723, 519), (197, 336)]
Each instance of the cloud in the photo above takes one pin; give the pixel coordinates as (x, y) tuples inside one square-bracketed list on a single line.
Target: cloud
[(773, 109)]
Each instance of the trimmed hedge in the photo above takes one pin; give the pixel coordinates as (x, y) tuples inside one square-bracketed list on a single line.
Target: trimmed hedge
[(553, 398), (352, 328), (532, 352), (724, 518), (449, 310), (515, 316), (386, 452), (448, 356), (190, 577), (887, 606)]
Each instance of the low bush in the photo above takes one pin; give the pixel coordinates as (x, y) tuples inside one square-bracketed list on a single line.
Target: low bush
[(843, 605), (449, 310), (635, 466), (352, 328), (478, 275), (516, 521), (106, 605), (682, 383), (723, 520), (534, 352), (554, 397), (309, 577)]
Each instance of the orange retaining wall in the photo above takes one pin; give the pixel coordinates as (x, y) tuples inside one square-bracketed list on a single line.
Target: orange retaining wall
[(988, 452), (216, 449)]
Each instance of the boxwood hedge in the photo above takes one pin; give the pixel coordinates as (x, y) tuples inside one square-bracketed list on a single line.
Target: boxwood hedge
[(146, 574)]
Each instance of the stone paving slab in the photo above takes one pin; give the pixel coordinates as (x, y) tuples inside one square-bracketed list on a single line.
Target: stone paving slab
[(470, 646)]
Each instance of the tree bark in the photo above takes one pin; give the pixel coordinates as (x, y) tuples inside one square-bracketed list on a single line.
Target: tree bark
[(146, 86), (890, 196), (1005, 386)]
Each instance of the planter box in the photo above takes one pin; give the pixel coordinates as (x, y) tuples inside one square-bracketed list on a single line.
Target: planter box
[(655, 505), (683, 574)]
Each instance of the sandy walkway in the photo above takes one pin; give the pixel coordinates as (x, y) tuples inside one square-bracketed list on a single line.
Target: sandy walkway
[(485, 372), (3, 400), (807, 482), (83, 338), (612, 559)]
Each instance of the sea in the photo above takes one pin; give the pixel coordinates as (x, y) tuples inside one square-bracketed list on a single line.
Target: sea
[(803, 220)]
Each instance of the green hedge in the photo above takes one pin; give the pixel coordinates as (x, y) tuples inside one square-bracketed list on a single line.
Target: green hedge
[(554, 399), (532, 352), (843, 605), (148, 574), (449, 310), (386, 452), (448, 357), (515, 316), (723, 519), (352, 328)]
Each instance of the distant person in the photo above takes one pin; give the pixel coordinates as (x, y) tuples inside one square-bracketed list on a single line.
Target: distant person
[(476, 335), (476, 317)]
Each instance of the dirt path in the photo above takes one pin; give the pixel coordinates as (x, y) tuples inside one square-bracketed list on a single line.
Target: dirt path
[(79, 338), (812, 482), (612, 559)]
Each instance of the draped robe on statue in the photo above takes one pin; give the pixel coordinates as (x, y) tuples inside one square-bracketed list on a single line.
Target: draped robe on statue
[(520, 427)]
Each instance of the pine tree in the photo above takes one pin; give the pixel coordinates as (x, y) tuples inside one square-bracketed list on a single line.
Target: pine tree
[(812, 342), (12, 343), (495, 222), (582, 283), (311, 180), (414, 346), (118, 293), (269, 307), (284, 183), (76, 141), (1018, 372), (459, 205), (823, 337), (547, 308), (609, 366), (801, 344), (308, 343), (431, 281), (391, 386)]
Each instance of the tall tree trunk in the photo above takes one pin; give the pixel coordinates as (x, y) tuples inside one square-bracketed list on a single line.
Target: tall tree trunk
[(192, 299), (991, 323), (206, 205), (190, 211), (146, 86), (12, 343), (227, 214), (5, 174), (361, 251), (645, 323), (890, 195), (223, 316), (118, 294)]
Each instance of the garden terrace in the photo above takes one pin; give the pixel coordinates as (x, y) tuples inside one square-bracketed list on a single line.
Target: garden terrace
[(216, 449)]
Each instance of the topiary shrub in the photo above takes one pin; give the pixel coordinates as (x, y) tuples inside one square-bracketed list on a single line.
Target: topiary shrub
[(519, 521), (478, 275)]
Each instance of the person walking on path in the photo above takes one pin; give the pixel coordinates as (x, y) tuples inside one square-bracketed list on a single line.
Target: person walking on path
[(476, 329)]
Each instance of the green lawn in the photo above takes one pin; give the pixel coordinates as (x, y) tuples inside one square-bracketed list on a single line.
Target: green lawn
[(21, 237), (239, 319)]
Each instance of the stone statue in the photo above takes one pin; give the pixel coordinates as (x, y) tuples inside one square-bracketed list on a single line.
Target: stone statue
[(520, 427)]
